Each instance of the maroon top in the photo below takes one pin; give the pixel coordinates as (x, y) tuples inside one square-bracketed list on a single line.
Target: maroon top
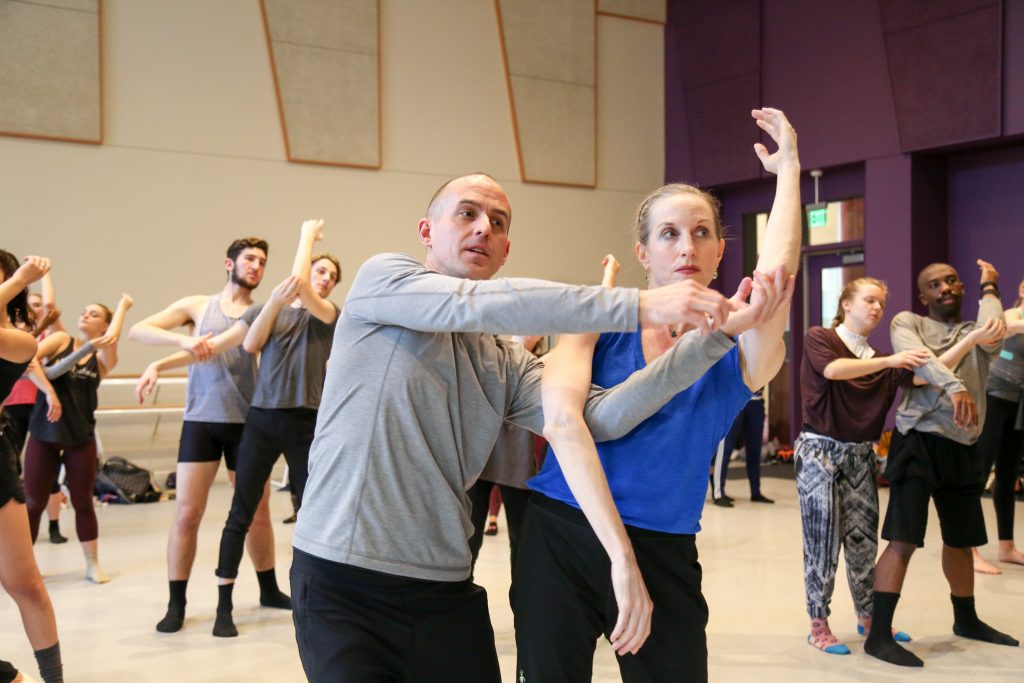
[(849, 409)]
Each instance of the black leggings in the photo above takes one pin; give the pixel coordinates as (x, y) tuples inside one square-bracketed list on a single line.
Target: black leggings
[(268, 433), (42, 463), (1001, 443)]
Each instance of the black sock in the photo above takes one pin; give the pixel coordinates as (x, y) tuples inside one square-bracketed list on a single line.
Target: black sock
[(224, 626), (50, 667), (966, 623), (55, 535), (175, 616), (270, 594), (879, 642)]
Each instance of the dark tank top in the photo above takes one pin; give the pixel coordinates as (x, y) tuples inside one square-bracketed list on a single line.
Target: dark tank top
[(76, 390), (10, 373)]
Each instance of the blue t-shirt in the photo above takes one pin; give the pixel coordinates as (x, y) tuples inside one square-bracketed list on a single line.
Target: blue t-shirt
[(658, 473)]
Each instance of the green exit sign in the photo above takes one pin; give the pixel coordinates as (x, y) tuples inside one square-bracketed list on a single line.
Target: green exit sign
[(817, 215)]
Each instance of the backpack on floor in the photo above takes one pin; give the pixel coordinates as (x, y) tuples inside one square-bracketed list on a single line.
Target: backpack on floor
[(120, 481)]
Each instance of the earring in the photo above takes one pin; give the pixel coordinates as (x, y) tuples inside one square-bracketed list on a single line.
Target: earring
[(714, 275)]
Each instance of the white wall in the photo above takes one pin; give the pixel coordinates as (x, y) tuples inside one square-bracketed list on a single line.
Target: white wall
[(194, 157)]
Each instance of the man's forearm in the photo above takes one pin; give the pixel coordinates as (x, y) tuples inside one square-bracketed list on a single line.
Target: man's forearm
[(404, 293)]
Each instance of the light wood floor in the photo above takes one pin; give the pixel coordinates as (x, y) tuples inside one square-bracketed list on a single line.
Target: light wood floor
[(752, 580)]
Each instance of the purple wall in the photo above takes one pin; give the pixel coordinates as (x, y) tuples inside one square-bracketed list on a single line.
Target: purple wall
[(986, 219)]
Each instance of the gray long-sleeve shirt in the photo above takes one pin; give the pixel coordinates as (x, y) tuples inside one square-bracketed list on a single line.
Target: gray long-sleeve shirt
[(417, 389), (929, 408)]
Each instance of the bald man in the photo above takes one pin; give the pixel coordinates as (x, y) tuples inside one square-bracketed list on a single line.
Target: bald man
[(417, 389), (932, 455)]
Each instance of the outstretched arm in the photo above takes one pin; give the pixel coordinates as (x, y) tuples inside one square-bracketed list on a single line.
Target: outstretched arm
[(565, 387), (312, 231), (762, 349)]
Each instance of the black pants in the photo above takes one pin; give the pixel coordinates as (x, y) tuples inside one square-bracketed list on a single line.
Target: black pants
[(749, 425), (563, 601), (1004, 445), (514, 501), (357, 625), (268, 433)]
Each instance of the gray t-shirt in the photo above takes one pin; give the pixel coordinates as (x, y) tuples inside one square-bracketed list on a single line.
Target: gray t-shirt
[(417, 389), (294, 359), (928, 408), (220, 389)]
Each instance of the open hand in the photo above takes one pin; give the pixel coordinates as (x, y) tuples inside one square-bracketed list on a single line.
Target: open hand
[(775, 123)]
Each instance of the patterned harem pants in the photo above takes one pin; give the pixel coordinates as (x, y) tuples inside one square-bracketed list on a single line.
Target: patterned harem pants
[(839, 506)]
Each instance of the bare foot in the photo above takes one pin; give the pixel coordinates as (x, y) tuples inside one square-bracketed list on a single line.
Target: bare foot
[(981, 566), (1011, 555)]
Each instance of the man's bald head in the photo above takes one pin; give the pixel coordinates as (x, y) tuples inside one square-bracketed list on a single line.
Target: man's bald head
[(437, 200)]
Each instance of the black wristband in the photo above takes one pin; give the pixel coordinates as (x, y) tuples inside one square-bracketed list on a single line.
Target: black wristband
[(993, 283)]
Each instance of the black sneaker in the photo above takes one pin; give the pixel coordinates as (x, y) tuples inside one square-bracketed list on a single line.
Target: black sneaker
[(723, 502), (761, 498)]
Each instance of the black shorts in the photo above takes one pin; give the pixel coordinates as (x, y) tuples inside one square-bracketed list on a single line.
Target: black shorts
[(352, 624), (931, 466), (563, 600), (208, 441)]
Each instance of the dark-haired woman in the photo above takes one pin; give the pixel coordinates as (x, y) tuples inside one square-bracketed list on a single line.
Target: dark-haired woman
[(847, 390), (19, 574), (69, 376), (19, 403)]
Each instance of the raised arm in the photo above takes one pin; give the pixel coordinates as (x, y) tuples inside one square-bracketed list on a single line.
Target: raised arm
[(762, 349), (228, 339), (990, 307), (51, 312), (312, 231), (16, 346), (156, 330), (107, 344)]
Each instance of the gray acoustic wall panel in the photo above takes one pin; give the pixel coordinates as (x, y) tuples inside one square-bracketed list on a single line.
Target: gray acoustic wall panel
[(50, 69), (326, 62), (646, 10), (550, 52)]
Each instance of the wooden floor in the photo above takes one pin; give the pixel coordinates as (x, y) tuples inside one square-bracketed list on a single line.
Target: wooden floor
[(752, 580)]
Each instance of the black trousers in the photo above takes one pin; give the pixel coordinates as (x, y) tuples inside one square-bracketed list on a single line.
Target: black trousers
[(513, 499), (563, 601), (354, 625), (268, 433), (1001, 443)]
